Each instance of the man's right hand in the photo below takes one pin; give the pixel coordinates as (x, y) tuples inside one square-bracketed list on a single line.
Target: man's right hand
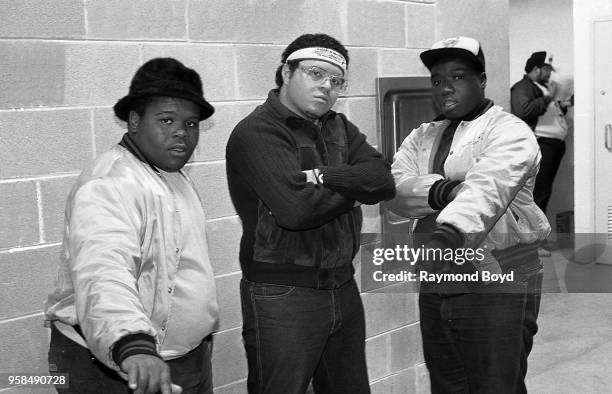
[(148, 374)]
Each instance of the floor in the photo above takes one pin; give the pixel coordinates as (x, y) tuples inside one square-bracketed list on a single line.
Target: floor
[(573, 349)]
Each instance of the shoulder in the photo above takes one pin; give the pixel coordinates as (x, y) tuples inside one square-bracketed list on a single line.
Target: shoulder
[(115, 168), (507, 126)]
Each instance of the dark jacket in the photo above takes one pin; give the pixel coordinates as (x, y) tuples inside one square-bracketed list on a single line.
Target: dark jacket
[(527, 101), (296, 232)]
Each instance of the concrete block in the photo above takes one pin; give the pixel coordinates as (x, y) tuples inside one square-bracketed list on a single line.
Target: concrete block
[(228, 295), (211, 183), (44, 19), (364, 25), (98, 73), (27, 278), (25, 344), (54, 193), (223, 244), (107, 128), (371, 219), (137, 19), (215, 131), (377, 355), (405, 348), (239, 387), (256, 67), (33, 73), (387, 311), (362, 112), (420, 26), (18, 215), (48, 142), (398, 383), (214, 63), (262, 21), (363, 70), (228, 357), (401, 63), (54, 74), (423, 385)]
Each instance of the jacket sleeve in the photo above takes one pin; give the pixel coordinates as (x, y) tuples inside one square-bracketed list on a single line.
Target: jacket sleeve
[(265, 159), (366, 177), (525, 104), (412, 187), (103, 242), (509, 157)]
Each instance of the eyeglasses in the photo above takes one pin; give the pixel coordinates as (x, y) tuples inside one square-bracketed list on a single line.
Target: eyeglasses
[(316, 74)]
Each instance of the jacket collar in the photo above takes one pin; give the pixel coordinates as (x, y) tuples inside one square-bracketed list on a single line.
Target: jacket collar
[(128, 143)]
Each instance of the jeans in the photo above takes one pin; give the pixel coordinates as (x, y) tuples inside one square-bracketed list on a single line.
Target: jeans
[(552, 152), (295, 334), (87, 375), (479, 342)]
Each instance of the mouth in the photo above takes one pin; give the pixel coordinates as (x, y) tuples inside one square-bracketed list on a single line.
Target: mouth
[(448, 105), (180, 149), (321, 98)]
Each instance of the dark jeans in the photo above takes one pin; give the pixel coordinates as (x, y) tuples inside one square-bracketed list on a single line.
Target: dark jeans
[(552, 152), (479, 342), (295, 334), (87, 375)]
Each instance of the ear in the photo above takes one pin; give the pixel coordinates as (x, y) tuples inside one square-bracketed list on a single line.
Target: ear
[(133, 121), (483, 80), (286, 73)]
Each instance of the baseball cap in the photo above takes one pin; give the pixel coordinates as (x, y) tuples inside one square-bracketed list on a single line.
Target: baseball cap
[(455, 47), (539, 59)]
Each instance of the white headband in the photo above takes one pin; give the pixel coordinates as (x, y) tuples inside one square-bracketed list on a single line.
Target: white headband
[(320, 53)]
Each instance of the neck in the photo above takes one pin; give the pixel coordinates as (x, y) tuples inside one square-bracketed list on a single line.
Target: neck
[(284, 99)]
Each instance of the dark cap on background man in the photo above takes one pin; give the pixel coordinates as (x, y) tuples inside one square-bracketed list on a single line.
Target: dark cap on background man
[(165, 77), (539, 59), (455, 47)]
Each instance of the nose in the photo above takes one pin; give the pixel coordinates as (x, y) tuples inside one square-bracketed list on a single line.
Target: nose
[(447, 87), (326, 83), (180, 131)]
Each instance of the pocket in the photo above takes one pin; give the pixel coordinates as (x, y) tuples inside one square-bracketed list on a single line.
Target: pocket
[(269, 291)]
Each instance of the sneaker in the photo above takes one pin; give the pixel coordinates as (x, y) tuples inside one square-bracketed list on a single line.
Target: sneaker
[(544, 252)]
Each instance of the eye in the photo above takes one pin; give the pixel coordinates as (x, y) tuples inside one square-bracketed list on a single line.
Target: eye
[(166, 120), (191, 123), (458, 77), (435, 82), (315, 72), (337, 81)]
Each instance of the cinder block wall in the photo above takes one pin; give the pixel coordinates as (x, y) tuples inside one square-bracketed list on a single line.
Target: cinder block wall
[(65, 63)]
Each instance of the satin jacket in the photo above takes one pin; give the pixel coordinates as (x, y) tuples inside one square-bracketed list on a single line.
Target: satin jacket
[(120, 255), (496, 156)]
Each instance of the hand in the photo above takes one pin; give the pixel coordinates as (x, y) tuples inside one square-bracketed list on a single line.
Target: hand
[(148, 374)]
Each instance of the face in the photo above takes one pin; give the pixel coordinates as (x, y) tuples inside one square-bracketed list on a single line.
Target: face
[(545, 72), (457, 88), (307, 98), (167, 132)]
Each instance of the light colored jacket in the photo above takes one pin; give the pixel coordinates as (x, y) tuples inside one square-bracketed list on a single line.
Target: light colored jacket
[(120, 255), (496, 156)]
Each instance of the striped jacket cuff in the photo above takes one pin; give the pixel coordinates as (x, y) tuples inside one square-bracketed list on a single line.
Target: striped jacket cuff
[(439, 193), (133, 344)]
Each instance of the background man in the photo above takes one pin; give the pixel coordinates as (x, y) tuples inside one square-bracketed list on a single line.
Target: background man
[(468, 177), (534, 99), (296, 171), (135, 296)]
